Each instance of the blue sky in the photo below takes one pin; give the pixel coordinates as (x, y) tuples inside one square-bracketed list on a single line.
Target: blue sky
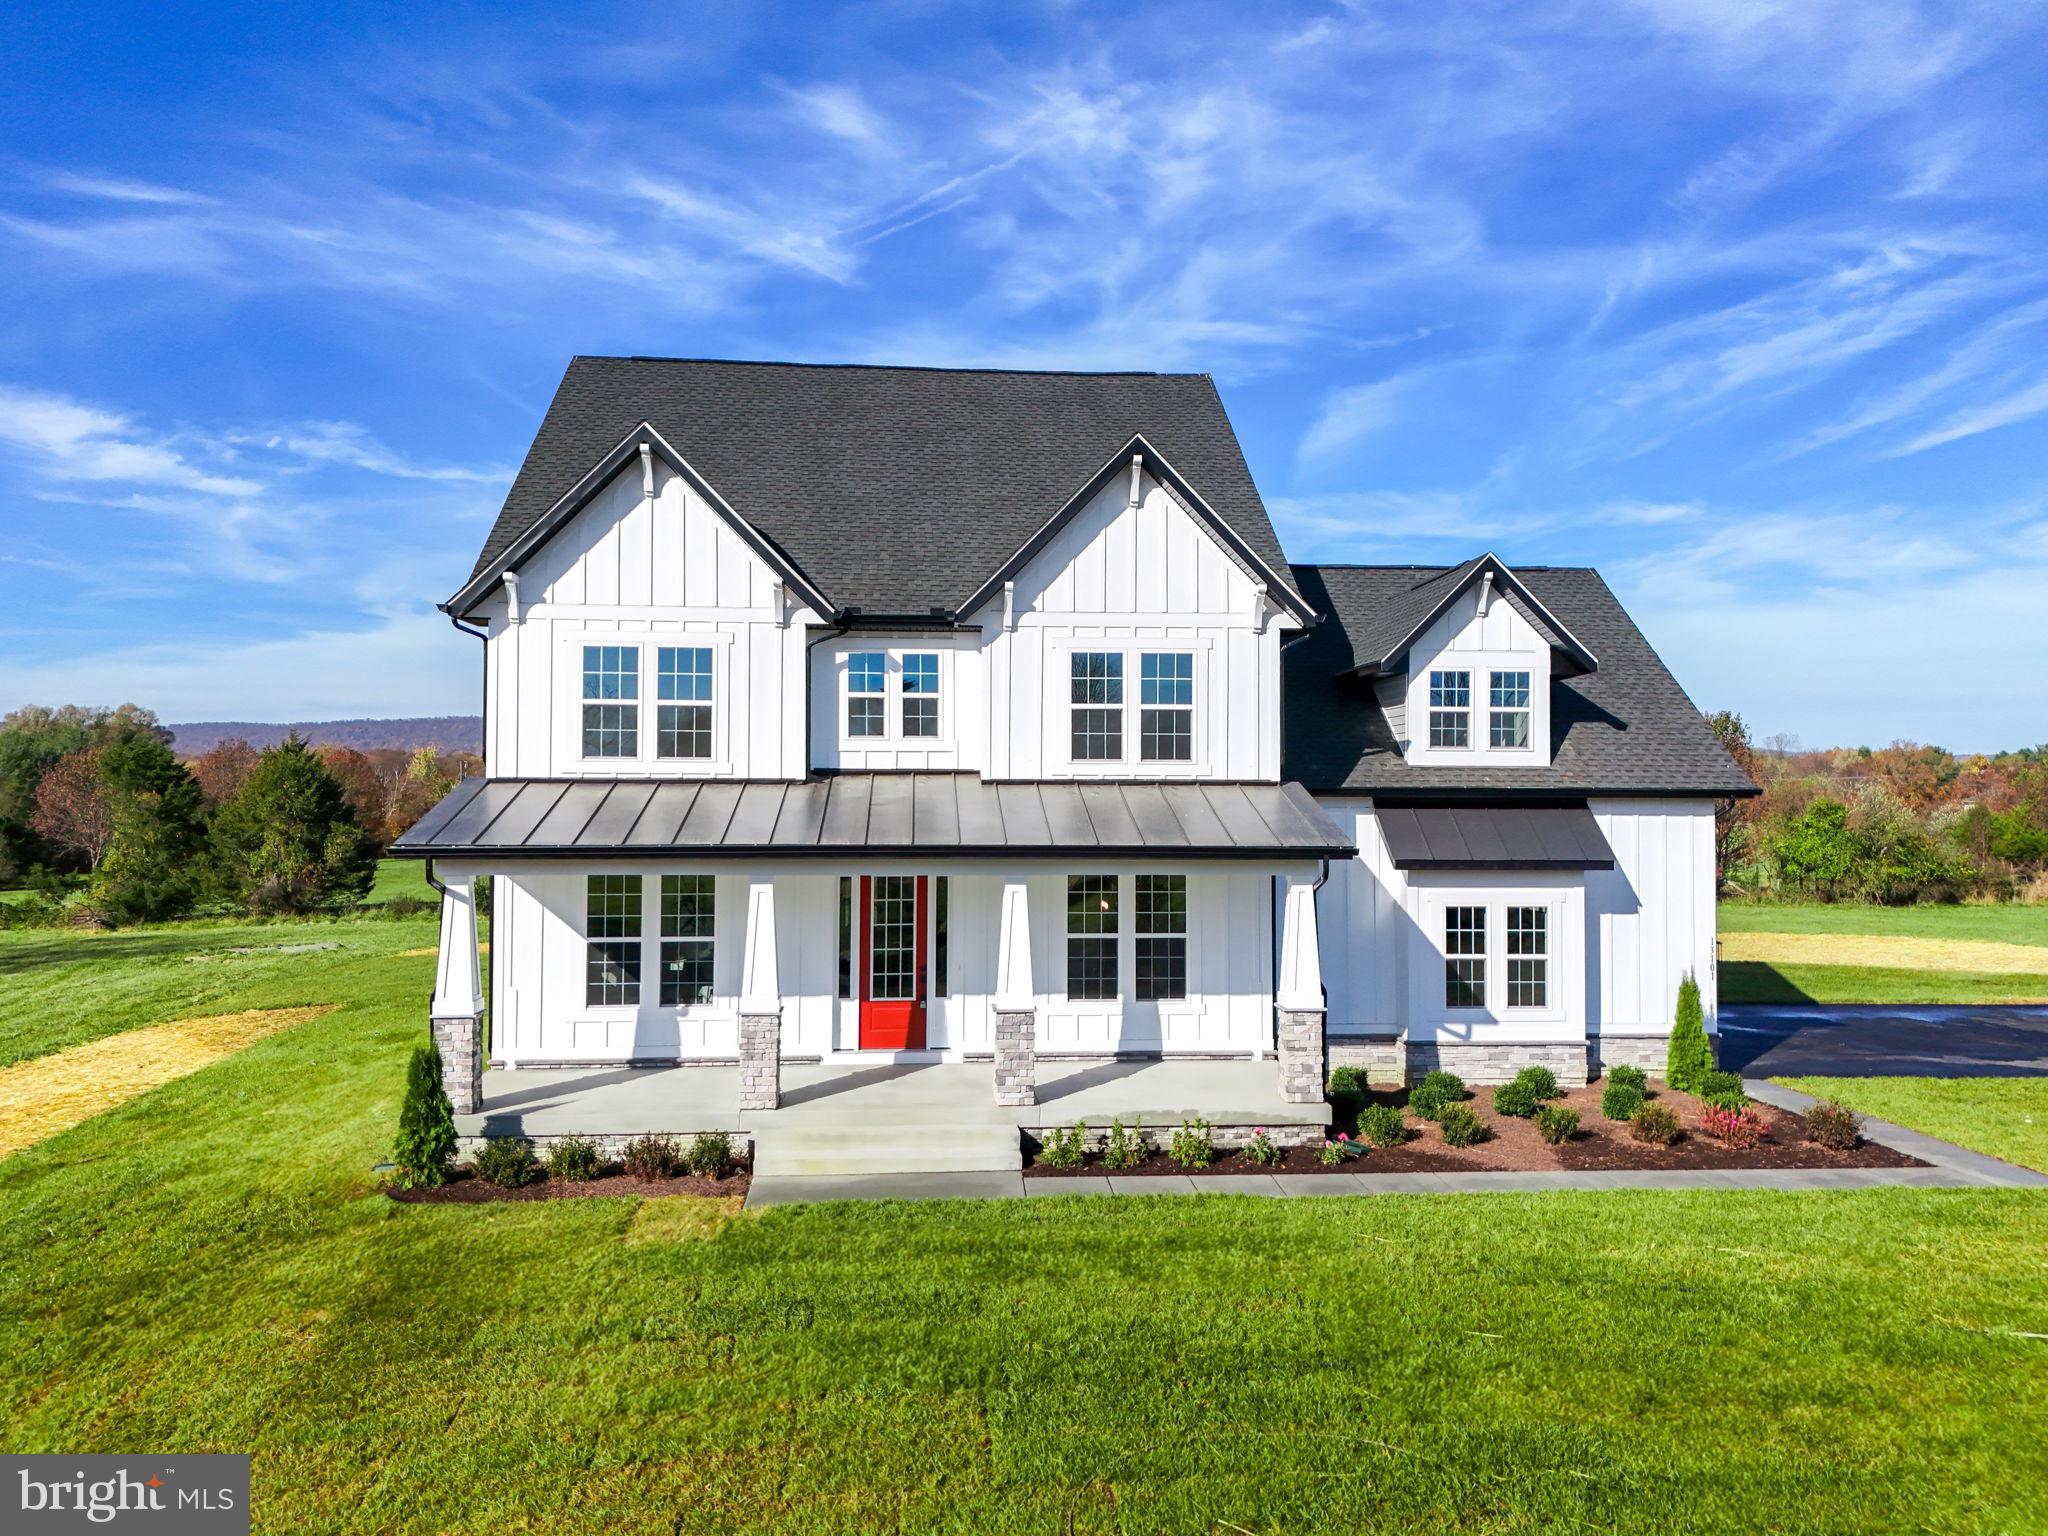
[(1744, 303)]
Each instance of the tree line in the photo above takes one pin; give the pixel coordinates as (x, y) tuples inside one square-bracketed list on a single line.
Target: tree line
[(1890, 825), (107, 825)]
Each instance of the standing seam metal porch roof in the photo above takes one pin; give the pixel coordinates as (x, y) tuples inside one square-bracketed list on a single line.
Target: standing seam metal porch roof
[(893, 813), (1493, 837)]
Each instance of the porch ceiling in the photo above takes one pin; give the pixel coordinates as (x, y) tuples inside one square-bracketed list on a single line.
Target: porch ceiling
[(901, 813)]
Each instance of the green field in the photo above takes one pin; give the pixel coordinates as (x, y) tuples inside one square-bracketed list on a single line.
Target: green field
[(208, 1267), (2010, 923), (2003, 1116)]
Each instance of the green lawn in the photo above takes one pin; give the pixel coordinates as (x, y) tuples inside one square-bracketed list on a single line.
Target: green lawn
[(1750, 981), (401, 877), (2003, 1116), (2003, 924), (206, 1268)]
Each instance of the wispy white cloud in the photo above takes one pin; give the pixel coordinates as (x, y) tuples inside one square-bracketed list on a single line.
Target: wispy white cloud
[(66, 439), (2018, 406), (1355, 412)]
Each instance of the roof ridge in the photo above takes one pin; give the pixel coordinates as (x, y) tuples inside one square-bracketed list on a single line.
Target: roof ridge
[(1436, 570), (782, 362)]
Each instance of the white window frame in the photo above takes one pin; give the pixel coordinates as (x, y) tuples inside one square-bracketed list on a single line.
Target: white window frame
[(1526, 709), (1060, 706), (709, 703), (636, 939), (1561, 904), (567, 724), (893, 697), (1448, 711), (662, 939)]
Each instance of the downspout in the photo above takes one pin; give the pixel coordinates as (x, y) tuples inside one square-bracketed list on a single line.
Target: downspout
[(832, 632), (483, 745)]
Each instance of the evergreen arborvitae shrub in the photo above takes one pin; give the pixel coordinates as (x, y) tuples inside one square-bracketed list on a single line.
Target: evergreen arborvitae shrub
[(1633, 1077), (425, 1150), (1690, 1056), (1620, 1101)]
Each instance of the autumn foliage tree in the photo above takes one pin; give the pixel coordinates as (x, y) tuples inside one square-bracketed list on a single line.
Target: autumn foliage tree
[(72, 808), (223, 769)]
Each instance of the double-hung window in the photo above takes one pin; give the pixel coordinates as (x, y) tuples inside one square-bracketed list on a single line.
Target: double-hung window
[(689, 927), (1464, 957), (611, 694), (1166, 706), (867, 682), (682, 711), (1508, 711), (1528, 957), (1162, 942), (1092, 928), (921, 694), (612, 927), (1450, 709), (1098, 706)]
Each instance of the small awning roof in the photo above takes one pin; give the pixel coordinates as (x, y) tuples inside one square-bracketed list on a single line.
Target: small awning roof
[(1493, 837), (895, 813)]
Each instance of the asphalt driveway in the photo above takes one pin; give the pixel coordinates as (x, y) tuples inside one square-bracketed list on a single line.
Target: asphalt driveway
[(1883, 1040)]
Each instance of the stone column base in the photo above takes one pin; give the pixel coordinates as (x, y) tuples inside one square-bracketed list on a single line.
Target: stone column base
[(1383, 1058), (1301, 1055), (760, 1061), (1016, 1056), (461, 1040)]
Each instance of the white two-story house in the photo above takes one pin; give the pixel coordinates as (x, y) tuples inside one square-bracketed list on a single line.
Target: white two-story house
[(843, 714)]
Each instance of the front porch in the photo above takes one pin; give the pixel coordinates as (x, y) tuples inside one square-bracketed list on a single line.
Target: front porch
[(895, 1117)]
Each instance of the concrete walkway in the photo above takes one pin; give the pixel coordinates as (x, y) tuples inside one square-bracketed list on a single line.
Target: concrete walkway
[(1951, 1167)]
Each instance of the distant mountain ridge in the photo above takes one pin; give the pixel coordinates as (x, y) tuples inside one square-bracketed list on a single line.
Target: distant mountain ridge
[(450, 733)]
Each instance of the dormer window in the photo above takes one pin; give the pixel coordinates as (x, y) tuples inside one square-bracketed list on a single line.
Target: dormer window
[(921, 694), (867, 681), (1450, 709), (1508, 712)]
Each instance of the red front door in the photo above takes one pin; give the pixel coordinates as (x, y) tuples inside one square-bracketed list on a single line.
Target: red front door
[(892, 971)]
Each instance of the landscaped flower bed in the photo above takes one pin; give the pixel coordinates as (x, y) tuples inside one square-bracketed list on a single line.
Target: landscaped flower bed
[(512, 1169), (465, 1188), (1514, 1142)]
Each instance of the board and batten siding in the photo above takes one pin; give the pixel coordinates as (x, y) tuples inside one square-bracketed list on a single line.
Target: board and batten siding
[(1646, 922), (630, 570), (1463, 639), (1131, 579)]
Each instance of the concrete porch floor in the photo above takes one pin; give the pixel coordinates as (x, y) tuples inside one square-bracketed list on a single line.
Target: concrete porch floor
[(615, 1101)]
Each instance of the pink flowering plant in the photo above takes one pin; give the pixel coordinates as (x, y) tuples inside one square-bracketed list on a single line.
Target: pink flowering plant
[(1331, 1153), (1260, 1151), (1740, 1128)]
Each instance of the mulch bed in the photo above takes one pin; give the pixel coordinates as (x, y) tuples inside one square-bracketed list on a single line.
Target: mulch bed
[(467, 1189), (1515, 1146)]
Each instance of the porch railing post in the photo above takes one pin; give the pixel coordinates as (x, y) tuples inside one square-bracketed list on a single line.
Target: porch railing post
[(760, 1004), (456, 1015), (1298, 999), (1016, 1001)]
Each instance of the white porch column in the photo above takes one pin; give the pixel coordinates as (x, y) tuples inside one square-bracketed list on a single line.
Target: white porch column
[(457, 1011), (760, 1004), (1016, 1001), (1298, 997)]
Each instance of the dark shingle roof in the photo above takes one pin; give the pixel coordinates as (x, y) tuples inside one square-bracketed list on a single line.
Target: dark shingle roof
[(1402, 608), (896, 490), (1626, 728)]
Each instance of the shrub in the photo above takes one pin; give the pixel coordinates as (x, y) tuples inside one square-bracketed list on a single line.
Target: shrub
[(1429, 1096), (1740, 1126), (1461, 1125), (1716, 1084), (1347, 1083), (1260, 1151), (710, 1154), (1834, 1126), (1516, 1098), (1689, 1057), (1654, 1124), (287, 840), (1620, 1101), (407, 906), (425, 1149), (652, 1157), (1331, 1153), (1065, 1149), (1193, 1146), (1632, 1077), (506, 1162), (574, 1159), (1555, 1123), (1736, 1100), (1382, 1125), (1125, 1149), (1540, 1081)]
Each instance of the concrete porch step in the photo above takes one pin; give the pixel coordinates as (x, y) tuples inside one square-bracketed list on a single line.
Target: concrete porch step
[(783, 1148)]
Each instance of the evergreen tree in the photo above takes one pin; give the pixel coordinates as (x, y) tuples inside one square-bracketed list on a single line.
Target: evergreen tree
[(1690, 1056), (159, 832), (287, 840), (425, 1149)]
